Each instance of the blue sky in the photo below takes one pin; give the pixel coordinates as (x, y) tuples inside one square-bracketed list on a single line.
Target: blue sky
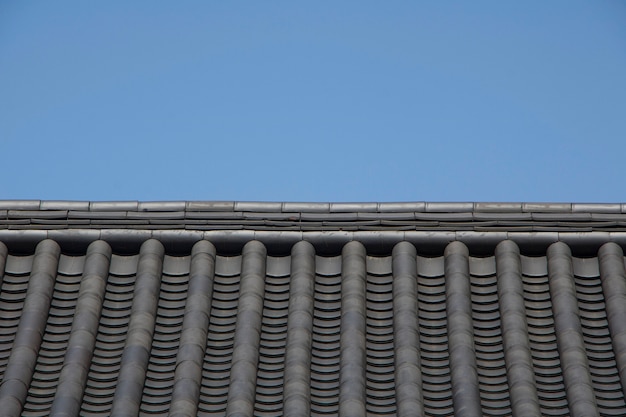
[(317, 101)]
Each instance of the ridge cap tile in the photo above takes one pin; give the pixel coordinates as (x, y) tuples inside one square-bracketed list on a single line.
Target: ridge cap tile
[(449, 207), (258, 206), (113, 206), (498, 207), (547, 207), (20, 204), (402, 207), (306, 207), (64, 205), (210, 206), (162, 206), (353, 207), (597, 207)]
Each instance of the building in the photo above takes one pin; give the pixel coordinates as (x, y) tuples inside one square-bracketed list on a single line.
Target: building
[(296, 309)]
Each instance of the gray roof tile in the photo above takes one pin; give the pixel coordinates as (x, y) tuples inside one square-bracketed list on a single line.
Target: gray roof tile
[(353, 207), (162, 206), (41, 214), (307, 207), (315, 320), (547, 207), (498, 207), (449, 207), (401, 207), (210, 206), (119, 206), (64, 205), (596, 208), (20, 204), (258, 206), (307, 216)]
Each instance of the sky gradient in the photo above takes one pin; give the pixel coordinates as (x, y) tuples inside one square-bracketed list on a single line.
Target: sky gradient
[(283, 101)]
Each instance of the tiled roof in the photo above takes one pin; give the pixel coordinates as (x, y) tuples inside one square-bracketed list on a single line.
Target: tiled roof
[(200, 216), (328, 226), (131, 315)]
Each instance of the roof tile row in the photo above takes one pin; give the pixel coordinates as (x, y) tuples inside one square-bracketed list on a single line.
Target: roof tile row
[(129, 308), (304, 334), (24, 215), (276, 207)]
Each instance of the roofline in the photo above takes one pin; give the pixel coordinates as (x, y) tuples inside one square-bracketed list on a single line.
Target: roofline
[(312, 217), (328, 226), (314, 207)]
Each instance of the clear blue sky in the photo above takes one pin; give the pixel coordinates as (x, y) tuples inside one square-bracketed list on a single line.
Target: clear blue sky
[(315, 101)]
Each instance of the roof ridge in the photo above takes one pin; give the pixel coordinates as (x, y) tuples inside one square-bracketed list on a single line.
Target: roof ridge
[(306, 207)]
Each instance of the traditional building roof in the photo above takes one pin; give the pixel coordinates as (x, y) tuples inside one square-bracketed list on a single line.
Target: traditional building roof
[(297, 309)]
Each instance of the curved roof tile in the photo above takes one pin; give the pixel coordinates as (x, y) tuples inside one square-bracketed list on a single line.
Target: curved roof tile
[(218, 308)]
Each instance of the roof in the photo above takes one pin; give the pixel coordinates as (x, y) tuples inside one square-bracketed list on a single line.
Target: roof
[(228, 308), (328, 226)]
